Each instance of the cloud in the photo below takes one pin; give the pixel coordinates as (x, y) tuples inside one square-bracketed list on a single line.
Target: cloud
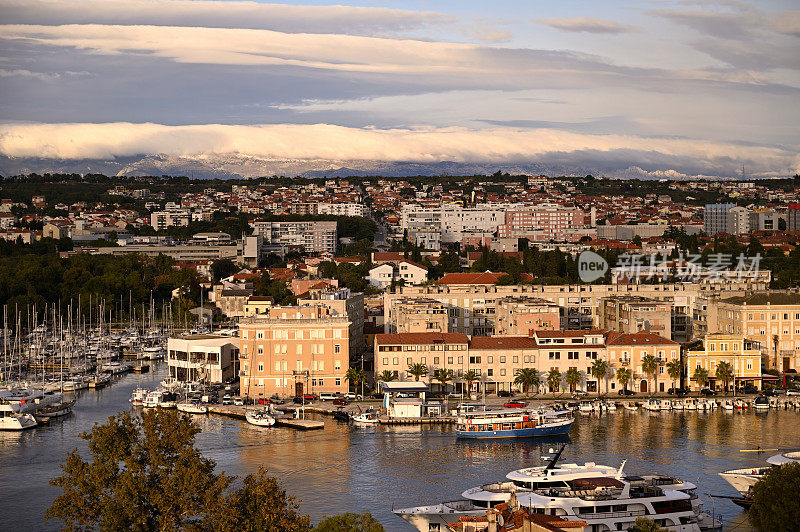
[(220, 14), (635, 172), (713, 23), (325, 141), (19, 72), (587, 25)]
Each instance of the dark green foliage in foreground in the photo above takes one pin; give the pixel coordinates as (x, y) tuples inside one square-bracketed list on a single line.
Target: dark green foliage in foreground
[(643, 524), (776, 500), (145, 474), (350, 523)]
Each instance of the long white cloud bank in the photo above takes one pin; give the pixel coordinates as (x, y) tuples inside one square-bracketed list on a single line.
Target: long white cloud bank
[(218, 14), (324, 141)]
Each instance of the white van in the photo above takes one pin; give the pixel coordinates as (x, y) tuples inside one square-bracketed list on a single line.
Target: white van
[(327, 396)]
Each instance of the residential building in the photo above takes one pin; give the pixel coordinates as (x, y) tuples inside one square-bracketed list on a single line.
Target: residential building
[(715, 218), (341, 302), (771, 320), (232, 301), (418, 315), (256, 305), (396, 352), (545, 222), (404, 270), (178, 252), (628, 351), (741, 354), (763, 220), (161, 220), (294, 350), (518, 316), (630, 314), (203, 358), (793, 217), (308, 236), (343, 209)]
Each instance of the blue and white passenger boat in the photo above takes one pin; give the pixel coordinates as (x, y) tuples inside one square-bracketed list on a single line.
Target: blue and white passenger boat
[(513, 423)]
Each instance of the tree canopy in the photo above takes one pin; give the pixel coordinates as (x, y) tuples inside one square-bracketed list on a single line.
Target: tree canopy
[(776, 499)]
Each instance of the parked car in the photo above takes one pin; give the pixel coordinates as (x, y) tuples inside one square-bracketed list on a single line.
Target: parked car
[(626, 392), (350, 396), (327, 396), (238, 401), (305, 398), (577, 394), (276, 400), (792, 391), (515, 404), (678, 391), (341, 402), (780, 391), (504, 393), (708, 392), (226, 399), (263, 401), (454, 395), (379, 395), (768, 392), (748, 389)]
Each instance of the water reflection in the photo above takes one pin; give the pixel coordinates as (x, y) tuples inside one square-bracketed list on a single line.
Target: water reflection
[(344, 468)]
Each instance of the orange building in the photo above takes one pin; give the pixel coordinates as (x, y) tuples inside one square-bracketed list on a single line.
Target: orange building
[(294, 350)]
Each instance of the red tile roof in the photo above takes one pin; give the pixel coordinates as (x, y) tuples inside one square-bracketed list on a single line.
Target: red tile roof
[(420, 338), (639, 338), (471, 278), (502, 342)]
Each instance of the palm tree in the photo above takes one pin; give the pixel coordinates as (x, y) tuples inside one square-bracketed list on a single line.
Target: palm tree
[(386, 376), (527, 377), (355, 376), (701, 376), (469, 377), (417, 370), (650, 367), (600, 370), (624, 377), (674, 368), (554, 380), (775, 341), (724, 372), (443, 375), (573, 378)]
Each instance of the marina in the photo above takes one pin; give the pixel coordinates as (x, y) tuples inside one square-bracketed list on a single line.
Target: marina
[(343, 467)]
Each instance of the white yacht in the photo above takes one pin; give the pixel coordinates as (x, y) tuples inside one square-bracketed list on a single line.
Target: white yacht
[(260, 418), (12, 420), (152, 399), (138, 396), (600, 495), (192, 408), (115, 368), (744, 479)]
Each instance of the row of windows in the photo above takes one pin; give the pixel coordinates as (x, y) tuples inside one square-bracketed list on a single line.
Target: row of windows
[(284, 334)]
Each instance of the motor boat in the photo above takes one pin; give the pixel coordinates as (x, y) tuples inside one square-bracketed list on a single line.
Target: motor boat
[(366, 418), (761, 403), (192, 408), (665, 404), (513, 423), (691, 404), (727, 405), (172, 384), (260, 418), (741, 404), (60, 409), (99, 380), (652, 405), (168, 400), (115, 368), (631, 406), (678, 405), (74, 385), (578, 493), (138, 396), (586, 407), (10, 419), (744, 479), (152, 399)]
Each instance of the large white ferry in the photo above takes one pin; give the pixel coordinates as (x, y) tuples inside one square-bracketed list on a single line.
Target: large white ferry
[(513, 423), (600, 495)]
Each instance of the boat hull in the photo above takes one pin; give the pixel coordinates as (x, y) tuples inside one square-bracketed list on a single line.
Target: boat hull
[(549, 429)]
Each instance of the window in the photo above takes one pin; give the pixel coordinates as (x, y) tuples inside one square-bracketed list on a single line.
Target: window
[(260, 366), (337, 364), (503, 372), (385, 361), (489, 359), (321, 365), (277, 348), (260, 350), (489, 372), (299, 349), (502, 360), (322, 382), (408, 360), (338, 382), (277, 365), (435, 360), (395, 361), (422, 360), (515, 359), (260, 335), (474, 360), (449, 360), (337, 348), (460, 360)]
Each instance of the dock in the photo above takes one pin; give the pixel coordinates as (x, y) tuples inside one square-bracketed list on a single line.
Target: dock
[(238, 412)]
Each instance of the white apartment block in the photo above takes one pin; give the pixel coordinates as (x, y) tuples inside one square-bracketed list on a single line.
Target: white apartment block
[(164, 219), (312, 237), (343, 209)]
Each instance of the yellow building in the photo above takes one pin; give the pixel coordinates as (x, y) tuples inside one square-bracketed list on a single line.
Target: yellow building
[(736, 350), (257, 305)]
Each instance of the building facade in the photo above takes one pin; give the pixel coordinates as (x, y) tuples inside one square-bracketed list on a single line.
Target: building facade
[(741, 354), (202, 358), (294, 350)]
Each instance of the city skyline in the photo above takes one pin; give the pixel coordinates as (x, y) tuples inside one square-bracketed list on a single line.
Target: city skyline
[(644, 89)]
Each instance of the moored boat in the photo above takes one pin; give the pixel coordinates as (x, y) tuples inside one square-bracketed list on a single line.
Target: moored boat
[(260, 418), (513, 423), (13, 420), (192, 408)]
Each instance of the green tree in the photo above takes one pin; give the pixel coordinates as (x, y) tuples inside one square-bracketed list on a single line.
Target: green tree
[(600, 370), (469, 377), (144, 474), (443, 376), (775, 505), (349, 523), (554, 380), (650, 368), (674, 368), (355, 376), (701, 376), (222, 268), (624, 377), (527, 377), (572, 378), (260, 504), (386, 376), (643, 524), (417, 370), (724, 373)]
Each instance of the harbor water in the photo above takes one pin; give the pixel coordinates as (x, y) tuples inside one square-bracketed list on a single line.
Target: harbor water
[(349, 469)]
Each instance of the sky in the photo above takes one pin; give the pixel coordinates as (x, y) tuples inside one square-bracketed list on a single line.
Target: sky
[(655, 88)]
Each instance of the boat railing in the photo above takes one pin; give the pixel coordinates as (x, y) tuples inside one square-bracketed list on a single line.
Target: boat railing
[(611, 515)]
